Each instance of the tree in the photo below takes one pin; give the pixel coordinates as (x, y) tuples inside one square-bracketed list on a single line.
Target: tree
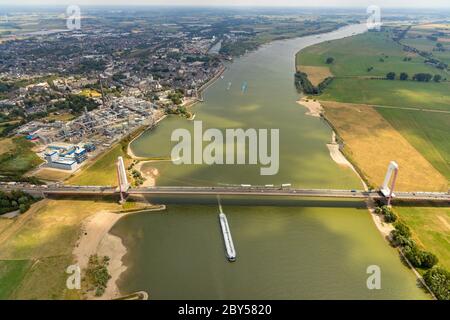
[(437, 78), (402, 229), (23, 200), (404, 76), (329, 60), (422, 77), (390, 76), (24, 207), (429, 260), (5, 203), (438, 279), (413, 255), (400, 240)]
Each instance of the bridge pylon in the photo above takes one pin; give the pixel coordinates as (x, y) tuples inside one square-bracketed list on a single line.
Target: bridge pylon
[(124, 185), (386, 189)]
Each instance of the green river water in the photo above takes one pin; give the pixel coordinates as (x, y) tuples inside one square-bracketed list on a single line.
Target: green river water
[(286, 249)]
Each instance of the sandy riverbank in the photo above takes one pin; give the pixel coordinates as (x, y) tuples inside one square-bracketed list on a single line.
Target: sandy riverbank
[(150, 174), (96, 239), (314, 107)]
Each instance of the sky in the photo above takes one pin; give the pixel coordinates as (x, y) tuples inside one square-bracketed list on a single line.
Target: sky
[(278, 3)]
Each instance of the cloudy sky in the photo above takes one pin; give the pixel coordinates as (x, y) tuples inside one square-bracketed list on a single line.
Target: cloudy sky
[(329, 3)]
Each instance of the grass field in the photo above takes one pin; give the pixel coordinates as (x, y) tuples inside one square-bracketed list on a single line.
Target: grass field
[(354, 56), (6, 145), (12, 273), (102, 171), (63, 116), (20, 158), (431, 229), (315, 74), (428, 132), (47, 174), (373, 143), (45, 237), (390, 93), (4, 224)]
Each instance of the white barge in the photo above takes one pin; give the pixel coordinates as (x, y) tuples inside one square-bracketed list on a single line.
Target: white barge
[(231, 253)]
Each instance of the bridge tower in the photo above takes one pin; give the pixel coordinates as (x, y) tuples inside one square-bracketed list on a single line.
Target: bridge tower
[(122, 179), (386, 190)]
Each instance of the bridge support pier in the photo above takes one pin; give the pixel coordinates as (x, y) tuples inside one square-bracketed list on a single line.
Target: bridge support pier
[(122, 180), (386, 190)]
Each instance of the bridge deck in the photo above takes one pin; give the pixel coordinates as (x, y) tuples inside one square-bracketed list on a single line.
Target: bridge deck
[(238, 190)]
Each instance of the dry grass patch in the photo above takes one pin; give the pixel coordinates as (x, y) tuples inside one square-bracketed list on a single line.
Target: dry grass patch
[(46, 235), (52, 174), (6, 145), (316, 74), (51, 229), (433, 26), (372, 143), (4, 224)]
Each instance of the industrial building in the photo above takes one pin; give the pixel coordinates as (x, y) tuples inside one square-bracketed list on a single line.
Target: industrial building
[(65, 157)]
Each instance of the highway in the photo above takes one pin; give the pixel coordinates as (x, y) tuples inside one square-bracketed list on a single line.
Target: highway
[(229, 190)]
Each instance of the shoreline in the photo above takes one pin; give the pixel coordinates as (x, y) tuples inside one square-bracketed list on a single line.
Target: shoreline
[(315, 109), (130, 151), (188, 105), (93, 240)]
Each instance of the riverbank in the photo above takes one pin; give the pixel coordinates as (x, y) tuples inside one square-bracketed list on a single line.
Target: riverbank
[(315, 109), (97, 239)]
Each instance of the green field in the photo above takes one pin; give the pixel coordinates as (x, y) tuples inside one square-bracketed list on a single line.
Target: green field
[(431, 229), (101, 172), (410, 94), (353, 57), (20, 158), (428, 132), (12, 273)]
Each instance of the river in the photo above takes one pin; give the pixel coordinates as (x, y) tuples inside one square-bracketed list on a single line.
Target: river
[(286, 249)]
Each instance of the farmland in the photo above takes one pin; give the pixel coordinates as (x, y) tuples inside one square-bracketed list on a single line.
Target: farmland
[(362, 62), (431, 229), (390, 93), (371, 54), (374, 143), (428, 132)]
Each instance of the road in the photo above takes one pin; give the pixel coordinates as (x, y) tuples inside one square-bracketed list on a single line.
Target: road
[(233, 190)]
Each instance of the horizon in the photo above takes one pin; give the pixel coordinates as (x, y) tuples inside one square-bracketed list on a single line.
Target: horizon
[(321, 4)]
